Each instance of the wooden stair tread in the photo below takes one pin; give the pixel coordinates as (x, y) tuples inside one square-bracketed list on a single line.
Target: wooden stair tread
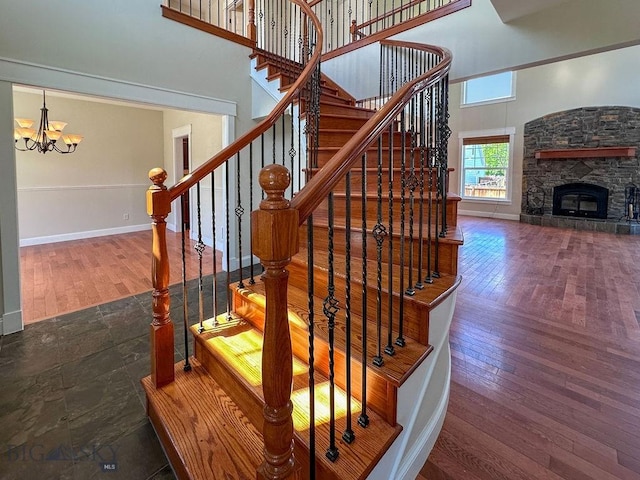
[(238, 345), (204, 433), (396, 370)]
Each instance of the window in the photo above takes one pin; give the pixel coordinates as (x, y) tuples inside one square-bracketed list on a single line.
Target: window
[(489, 89), (486, 161)]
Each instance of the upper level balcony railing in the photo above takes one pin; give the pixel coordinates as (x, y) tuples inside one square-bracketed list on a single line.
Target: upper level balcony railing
[(348, 24)]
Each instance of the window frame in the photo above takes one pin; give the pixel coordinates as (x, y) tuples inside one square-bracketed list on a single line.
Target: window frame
[(511, 97), (480, 134)]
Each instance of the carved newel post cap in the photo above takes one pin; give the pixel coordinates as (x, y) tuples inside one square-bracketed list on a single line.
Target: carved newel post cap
[(158, 176), (274, 180)]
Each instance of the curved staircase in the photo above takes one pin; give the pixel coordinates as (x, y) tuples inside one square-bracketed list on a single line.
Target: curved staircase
[(210, 418)]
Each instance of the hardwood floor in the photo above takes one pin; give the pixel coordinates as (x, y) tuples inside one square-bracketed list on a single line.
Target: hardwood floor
[(546, 357), (64, 277), (545, 344)]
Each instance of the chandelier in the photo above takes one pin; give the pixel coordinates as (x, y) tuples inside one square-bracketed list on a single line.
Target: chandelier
[(44, 139)]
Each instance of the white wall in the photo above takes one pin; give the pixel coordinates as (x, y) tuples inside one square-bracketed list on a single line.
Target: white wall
[(206, 139), (90, 191), (481, 43), (117, 49), (602, 79), (10, 308), (125, 41)]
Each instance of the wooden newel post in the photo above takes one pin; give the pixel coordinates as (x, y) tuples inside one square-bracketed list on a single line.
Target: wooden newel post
[(251, 26), (275, 241), (158, 207)]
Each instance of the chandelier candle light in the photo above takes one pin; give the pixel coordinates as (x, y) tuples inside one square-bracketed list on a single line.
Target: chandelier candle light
[(48, 133)]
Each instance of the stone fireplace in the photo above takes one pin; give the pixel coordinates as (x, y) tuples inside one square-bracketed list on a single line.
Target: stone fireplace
[(577, 166)]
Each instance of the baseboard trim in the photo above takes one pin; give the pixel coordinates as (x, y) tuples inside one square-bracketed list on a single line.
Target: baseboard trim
[(65, 237), (501, 216), (11, 322)]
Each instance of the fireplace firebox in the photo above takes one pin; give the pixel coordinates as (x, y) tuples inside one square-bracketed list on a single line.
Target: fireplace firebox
[(584, 200)]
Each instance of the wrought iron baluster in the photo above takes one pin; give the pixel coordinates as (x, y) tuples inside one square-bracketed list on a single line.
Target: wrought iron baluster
[(273, 143), (215, 252), (239, 211), (292, 154), (348, 435), (445, 133), (422, 149), (330, 310), (379, 232), (436, 246), (363, 419), (252, 280), (185, 293), (411, 184), (311, 331), (403, 186), (431, 161), (199, 248), (228, 236), (389, 349)]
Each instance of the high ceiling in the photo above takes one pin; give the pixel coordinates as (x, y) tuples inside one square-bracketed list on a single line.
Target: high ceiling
[(512, 9), (498, 35)]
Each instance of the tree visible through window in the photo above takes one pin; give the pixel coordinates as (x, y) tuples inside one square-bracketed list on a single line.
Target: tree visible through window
[(485, 167)]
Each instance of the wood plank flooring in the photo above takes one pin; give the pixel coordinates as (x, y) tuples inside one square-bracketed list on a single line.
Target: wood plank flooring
[(545, 345), (64, 277), (546, 357)]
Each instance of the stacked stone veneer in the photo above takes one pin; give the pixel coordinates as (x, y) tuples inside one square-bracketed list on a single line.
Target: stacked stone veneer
[(582, 128)]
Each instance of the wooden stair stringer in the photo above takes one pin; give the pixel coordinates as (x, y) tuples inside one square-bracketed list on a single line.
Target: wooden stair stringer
[(217, 349)]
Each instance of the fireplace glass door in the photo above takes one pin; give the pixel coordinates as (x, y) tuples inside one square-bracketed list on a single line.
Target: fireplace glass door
[(580, 200)]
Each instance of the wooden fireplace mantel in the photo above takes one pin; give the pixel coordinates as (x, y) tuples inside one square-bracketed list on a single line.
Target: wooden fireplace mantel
[(594, 152)]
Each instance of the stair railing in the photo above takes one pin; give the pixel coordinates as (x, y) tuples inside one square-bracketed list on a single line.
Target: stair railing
[(414, 86), (351, 24), (283, 145), (234, 171), (230, 19)]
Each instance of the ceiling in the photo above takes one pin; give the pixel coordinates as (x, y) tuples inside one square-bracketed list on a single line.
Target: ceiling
[(509, 10)]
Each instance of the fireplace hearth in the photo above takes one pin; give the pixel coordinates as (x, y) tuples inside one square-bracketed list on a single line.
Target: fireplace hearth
[(583, 200)]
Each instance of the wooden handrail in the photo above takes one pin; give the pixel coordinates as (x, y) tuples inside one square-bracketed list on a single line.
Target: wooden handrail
[(228, 152), (315, 191), (421, 19), (393, 11)]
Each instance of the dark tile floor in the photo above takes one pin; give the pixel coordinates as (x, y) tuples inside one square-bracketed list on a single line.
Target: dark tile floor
[(71, 404)]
